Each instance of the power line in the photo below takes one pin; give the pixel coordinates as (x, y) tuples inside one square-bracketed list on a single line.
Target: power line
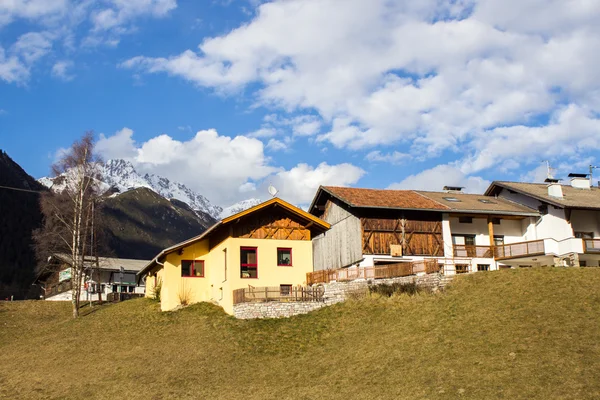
[(19, 189)]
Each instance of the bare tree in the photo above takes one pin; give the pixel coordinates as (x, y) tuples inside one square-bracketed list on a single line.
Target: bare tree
[(69, 213)]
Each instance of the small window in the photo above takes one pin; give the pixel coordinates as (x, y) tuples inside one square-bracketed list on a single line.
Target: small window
[(123, 289), (248, 262), (452, 199), (543, 209), (192, 268), (483, 267), (114, 288), (465, 220), (525, 266), (487, 201), (495, 221), (284, 257), (582, 263), (285, 290), (584, 235), (131, 289), (498, 240), (462, 268)]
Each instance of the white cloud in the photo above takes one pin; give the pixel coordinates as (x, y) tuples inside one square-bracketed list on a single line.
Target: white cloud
[(60, 70), (119, 145), (32, 46), (12, 69), (223, 169), (276, 145), (436, 76), (31, 9), (299, 184), (395, 157), (436, 178)]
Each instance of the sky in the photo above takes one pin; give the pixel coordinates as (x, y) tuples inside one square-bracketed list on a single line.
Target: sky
[(230, 96)]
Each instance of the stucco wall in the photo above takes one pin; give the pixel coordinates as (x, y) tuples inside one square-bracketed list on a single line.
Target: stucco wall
[(512, 230), (218, 282), (551, 225), (586, 221)]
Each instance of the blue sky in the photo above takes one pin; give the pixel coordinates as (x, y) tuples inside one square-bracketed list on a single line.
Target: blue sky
[(230, 96)]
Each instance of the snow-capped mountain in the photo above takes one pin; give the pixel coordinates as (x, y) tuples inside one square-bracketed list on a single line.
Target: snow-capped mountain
[(122, 175), (239, 207)]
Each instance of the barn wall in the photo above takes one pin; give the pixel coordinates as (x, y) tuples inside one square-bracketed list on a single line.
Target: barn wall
[(418, 234), (341, 245)]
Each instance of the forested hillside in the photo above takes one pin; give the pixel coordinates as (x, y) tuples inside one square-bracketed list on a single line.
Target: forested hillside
[(19, 216)]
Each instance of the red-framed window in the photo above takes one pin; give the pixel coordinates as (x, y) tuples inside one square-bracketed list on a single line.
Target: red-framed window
[(284, 257), (249, 262), (192, 268)]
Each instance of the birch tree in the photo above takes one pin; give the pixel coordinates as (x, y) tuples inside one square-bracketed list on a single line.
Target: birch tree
[(69, 211)]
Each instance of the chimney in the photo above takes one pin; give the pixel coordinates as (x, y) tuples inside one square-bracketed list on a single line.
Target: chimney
[(555, 189), (580, 181), (453, 189)]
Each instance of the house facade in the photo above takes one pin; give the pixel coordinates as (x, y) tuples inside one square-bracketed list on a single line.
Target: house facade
[(566, 233), (371, 227), (268, 245), (102, 278)]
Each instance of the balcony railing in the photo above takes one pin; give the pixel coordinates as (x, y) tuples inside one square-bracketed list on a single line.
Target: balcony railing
[(522, 249), (592, 245), (472, 251)]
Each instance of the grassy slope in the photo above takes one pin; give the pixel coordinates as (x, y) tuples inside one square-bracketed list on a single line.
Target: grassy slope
[(508, 334)]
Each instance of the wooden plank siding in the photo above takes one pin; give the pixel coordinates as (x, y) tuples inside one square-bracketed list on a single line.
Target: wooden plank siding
[(266, 224), (417, 237), (341, 245)]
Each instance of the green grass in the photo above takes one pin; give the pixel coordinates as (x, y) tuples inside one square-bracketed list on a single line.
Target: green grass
[(515, 334)]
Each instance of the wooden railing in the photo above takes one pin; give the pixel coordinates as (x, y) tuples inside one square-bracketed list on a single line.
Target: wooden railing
[(378, 272), (522, 249), (592, 245), (472, 251), (275, 293), (116, 296)]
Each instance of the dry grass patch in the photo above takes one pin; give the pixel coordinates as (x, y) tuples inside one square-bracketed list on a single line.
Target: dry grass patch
[(516, 334)]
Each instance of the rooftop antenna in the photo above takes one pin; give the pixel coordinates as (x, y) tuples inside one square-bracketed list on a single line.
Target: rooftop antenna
[(549, 170), (272, 191), (592, 168)]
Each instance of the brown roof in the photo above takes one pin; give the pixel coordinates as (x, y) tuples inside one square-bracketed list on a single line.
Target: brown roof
[(478, 203), (572, 197), (422, 200), (405, 199)]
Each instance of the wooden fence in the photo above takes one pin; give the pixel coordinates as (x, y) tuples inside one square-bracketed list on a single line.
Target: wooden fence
[(521, 249), (394, 270), (277, 293), (592, 245), (116, 297)]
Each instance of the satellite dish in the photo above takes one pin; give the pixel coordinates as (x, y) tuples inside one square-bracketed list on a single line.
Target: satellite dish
[(272, 191)]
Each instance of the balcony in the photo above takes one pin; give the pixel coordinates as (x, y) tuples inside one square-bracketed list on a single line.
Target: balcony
[(471, 251), (522, 249), (591, 245)]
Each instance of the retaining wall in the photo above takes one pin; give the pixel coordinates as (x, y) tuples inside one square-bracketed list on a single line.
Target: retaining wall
[(335, 292)]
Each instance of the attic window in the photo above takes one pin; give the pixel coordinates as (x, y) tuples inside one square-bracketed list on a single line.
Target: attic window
[(452, 199), (487, 201), (465, 220)]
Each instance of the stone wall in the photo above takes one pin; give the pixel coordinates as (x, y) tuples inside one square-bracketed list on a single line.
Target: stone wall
[(335, 292)]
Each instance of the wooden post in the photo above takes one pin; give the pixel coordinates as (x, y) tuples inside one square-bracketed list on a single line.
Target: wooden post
[(491, 233)]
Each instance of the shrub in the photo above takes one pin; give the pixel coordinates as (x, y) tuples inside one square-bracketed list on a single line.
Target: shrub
[(395, 288), (157, 289), (185, 295)]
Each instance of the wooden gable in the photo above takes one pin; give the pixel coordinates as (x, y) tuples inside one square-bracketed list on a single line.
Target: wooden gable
[(272, 223)]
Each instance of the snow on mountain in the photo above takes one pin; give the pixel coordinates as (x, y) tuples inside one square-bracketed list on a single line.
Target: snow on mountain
[(239, 207), (122, 175)]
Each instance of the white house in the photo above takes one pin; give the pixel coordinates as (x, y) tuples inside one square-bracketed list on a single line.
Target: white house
[(108, 276), (567, 232)]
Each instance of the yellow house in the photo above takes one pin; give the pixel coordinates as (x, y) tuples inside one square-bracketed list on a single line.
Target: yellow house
[(266, 245)]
